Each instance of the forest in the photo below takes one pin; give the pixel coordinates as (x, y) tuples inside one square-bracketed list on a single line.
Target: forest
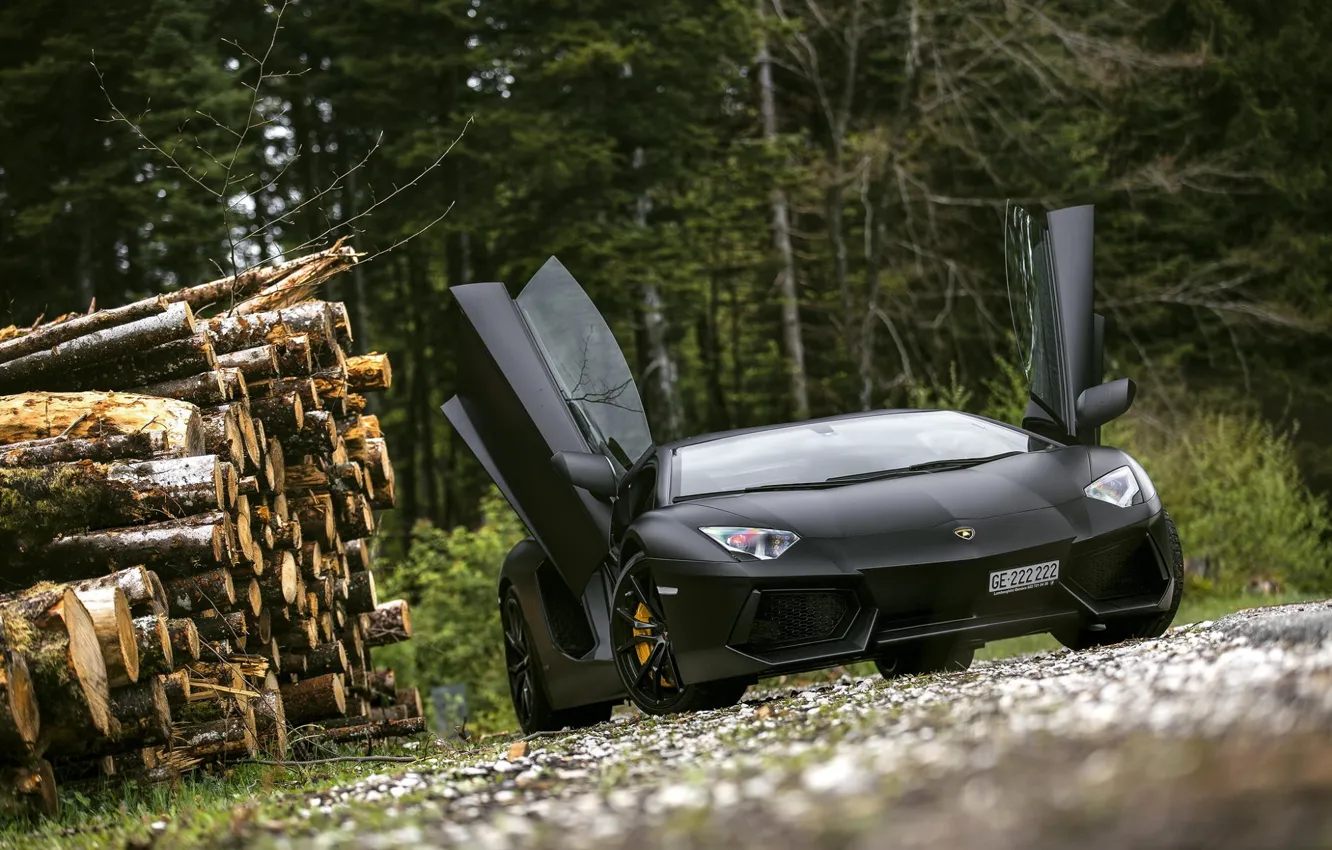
[(785, 208)]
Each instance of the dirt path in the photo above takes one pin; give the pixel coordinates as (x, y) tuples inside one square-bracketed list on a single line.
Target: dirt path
[(1217, 735)]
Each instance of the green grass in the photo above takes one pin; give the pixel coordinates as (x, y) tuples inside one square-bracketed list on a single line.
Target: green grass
[(1191, 610)]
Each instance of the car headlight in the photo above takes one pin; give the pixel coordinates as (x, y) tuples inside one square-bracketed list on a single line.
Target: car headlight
[(1118, 487), (762, 543)]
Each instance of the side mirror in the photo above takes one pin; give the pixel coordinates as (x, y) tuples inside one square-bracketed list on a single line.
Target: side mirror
[(1102, 403), (592, 472)]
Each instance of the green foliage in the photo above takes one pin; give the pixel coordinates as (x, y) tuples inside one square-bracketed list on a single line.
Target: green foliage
[(1233, 486), (451, 580)]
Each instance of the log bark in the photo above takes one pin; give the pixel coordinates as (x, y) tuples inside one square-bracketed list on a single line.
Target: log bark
[(260, 625), (222, 626), (145, 445), (222, 434), (390, 622), (174, 546), (341, 320), (250, 596), (136, 582), (295, 358), (189, 595), (355, 517), (411, 699), (358, 556), (354, 403), (330, 383), (361, 596), (110, 613), (179, 487), (53, 630), (277, 585), (231, 735), (314, 698), (283, 414), (317, 436), (306, 475), (156, 654), (315, 514), (368, 730), (293, 663), (277, 463), (29, 791), (52, 334), (369, 373), (380, 469), (292, 279), (99, 346), (20, 719), (184, 638), (37, 415), (143, 716), (302, 388), (312, 560), (270, 719), (288, 536), (234, 385), (177, 687), (237, 332), (328, 657), (180, 358), (301, 633), (256, 364), (205, 389)]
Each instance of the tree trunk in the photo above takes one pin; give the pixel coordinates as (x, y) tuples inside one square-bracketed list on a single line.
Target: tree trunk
[(390, 622), (314, 698), (176, 546), (49, 336), (179, 358), (233, 333), (369, 373), (155, 651), (144, 445), (205, 390), (792, 331), (36, 415), (141, 591), (53, 631), (213, 738), (361, 596), (330, 657), (222, 626), (256, 364), (190, 595), (111, 619), (184, 638), (368, 730), (97, 347)]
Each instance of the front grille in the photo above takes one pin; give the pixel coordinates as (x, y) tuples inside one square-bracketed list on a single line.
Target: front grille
[(799, 616), (1125, 568)]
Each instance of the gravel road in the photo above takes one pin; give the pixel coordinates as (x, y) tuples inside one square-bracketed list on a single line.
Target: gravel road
[(1216, 735)]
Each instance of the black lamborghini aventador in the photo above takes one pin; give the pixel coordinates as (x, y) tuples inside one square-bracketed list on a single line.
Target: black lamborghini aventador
[(676, 575)]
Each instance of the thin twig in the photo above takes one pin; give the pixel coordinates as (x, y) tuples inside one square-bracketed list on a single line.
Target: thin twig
[(399, 759)]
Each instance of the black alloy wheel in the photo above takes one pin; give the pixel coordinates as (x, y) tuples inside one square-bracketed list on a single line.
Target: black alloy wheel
[(644, 658), (530, 703)]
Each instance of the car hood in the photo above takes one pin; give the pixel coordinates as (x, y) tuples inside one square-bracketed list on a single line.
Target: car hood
[(1007, 486)]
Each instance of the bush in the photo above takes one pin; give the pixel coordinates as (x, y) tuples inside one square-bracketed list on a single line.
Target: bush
[(450, 578)]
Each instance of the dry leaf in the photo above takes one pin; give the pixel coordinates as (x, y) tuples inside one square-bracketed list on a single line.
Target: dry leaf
[(764, 711), (517, 750)]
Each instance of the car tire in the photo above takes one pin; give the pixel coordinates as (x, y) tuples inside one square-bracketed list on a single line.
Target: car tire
[(927, 656), (531, 704), (635, 595), (1132, 628)]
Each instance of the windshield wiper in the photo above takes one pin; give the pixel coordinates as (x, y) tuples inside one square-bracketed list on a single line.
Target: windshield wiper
[(930, 466), (762, 488)]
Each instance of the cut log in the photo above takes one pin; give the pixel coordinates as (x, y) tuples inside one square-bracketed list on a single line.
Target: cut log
[(411, 699), (318, 435), (214, 738), (251, 596), (35, 415), (184, 638), (330, 383), (20, 720), (341, 321), (143, 716), (257, 364), (287, 535), (155, 651), (234, 385), (306, 475), (301, 633), (99, 346), (270, 719), (369, 373), (354, 516), (354, 403), (286, 388), (293, 663), (178, 487), (312, 560), (222, 434), (137, 583), (314, 698), (315, 514), (190, 355), (380, 469), (237, 332), (277, 585), (260, 625), (177, 687), (295, 358), (292, 279), (253, 453), (358, 556), (194, 594), (145, 445), (361, 597), (110, 613), (222, 626), (369, 730), (329, 657), (390, 622), (278, 465), (174, 546), (53, 334), (29, 791), (283, 414), (53, 630), (206, 389)]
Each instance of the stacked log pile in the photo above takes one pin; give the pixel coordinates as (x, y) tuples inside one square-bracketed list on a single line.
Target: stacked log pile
[(185, 507)]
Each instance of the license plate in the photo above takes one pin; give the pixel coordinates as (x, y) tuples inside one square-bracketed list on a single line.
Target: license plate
[(1023, 578)]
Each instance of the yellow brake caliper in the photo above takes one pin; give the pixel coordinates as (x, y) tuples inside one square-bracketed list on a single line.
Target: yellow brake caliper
[(644, 650)]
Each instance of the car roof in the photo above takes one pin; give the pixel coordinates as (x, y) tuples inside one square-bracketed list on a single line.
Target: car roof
[(739, 432)]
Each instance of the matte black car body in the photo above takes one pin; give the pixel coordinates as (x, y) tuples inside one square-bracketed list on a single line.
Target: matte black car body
[(879, 564)]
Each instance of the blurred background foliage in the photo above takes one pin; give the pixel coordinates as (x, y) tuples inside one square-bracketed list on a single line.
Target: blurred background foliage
[(784, 209)]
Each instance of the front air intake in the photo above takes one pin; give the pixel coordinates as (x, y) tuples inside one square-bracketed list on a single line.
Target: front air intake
[(786, 617), (1123, 568)]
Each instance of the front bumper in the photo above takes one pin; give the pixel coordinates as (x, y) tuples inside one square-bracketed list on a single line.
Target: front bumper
[(836, 601)]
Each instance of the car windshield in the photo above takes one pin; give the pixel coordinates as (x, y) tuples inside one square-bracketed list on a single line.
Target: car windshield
[(814, 452)]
